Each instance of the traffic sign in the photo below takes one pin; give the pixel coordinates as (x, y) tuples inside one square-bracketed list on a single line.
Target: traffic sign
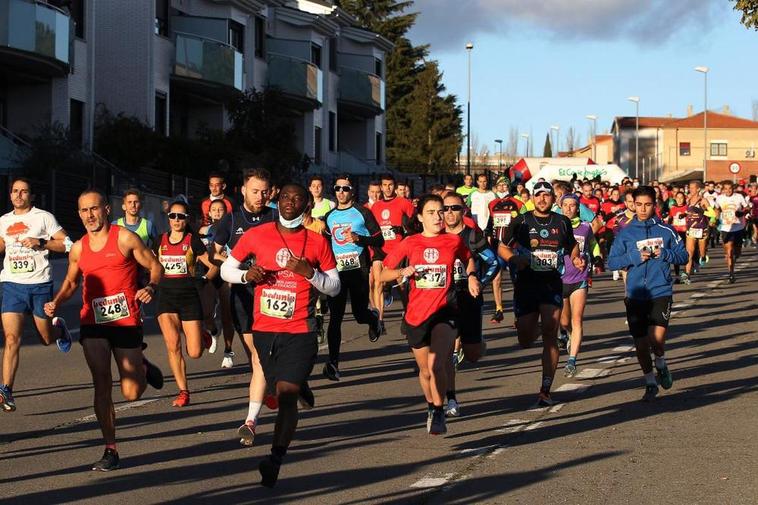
[(735, 168)]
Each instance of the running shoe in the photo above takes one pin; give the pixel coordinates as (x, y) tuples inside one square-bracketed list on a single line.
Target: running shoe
[(246, 432), (64, 342), (384, 330), (331, 371), (685, 278), (732, 279), (544, 400), (153, 374), (497, 317), (570, 369), (429, 416), (665, 379), (108, 462), (182, 399), (438, 425), (388, 299), (208, 340), (269, 470), (563, 339), (214, 342), (651, 391), (271, 401), (458, 358), (403, 325), (320, 329), (7, 403), (306, 399), (616, 275), (453, 409), (228, 360), (375, 330)]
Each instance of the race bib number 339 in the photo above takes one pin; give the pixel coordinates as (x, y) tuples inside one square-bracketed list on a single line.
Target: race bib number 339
[(278, 303), (21, 264), (110, 308)]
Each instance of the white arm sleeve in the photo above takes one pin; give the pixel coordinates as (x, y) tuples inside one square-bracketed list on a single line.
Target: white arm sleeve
[(231, 271), (326, 282)]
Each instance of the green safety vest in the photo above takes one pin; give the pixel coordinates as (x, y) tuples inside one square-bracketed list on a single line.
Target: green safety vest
[(141, 230)]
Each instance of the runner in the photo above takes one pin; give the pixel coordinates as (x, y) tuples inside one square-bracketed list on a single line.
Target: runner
[(470, 342), (180, 309), (433, 316), (589, 200), (214, 293), (731, 208), (132, 221), (698, 224), (502, 212), (252, 213), (575, 283), (646, 249), (753, 199), (535, 247), (291, 265), (353, 230), (479, 201), (374, 193), (217, 186), (28, 235), (677, 219), (107, 258), (622, 220), (468, 186), (321, 205)]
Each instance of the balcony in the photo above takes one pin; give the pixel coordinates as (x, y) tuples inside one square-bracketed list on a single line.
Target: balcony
[(360, 93), (35, 38), (300, 81), (207, 67)]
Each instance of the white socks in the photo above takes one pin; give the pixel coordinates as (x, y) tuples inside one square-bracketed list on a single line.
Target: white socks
[(253, 409), (660, 362), (650, 379)]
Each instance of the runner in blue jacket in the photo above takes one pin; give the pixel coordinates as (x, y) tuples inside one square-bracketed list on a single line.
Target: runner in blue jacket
[(646, 249)]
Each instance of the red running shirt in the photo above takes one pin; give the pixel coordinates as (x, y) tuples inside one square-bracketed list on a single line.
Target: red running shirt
[(678, 215), (389, 214), (432, 289), (110, 284), (591, 203), (286, 301)]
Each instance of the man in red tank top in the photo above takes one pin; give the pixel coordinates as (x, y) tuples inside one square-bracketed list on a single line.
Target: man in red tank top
[(106, 259)]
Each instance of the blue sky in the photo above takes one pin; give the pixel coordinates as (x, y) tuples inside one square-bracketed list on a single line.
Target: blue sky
[(542, 62)]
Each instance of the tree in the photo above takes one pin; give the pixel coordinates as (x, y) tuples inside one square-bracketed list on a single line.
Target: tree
[(749, 10), (547, 151)]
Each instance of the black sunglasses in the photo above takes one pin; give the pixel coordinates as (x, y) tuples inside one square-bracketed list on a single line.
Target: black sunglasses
[(454, 208), (177, 215), (346, 189)]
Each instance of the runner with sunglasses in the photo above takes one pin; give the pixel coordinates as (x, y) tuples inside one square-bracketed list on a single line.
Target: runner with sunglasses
[(352, 230), (180, 309), (432, 318)]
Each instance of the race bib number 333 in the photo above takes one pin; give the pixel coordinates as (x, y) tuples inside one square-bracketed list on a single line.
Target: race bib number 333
[(110, 308)]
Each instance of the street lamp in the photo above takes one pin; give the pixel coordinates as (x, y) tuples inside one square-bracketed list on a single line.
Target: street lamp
[(636, 101), (499, 142), (704, 71), (469, 47), (557, 130), (526, 136), (593, 118)]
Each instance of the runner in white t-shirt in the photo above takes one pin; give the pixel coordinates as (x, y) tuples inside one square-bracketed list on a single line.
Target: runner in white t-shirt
[(479, 201), (27, 235), (732, 208)]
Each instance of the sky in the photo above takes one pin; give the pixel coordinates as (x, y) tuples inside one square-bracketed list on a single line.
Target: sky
[(538, 63)]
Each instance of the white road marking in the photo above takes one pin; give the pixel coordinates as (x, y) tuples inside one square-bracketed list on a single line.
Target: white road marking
[(607, 359), (713, 284), (557, 407), (623, 348), (478, 450), (534, 426), (623, 360), (681, 305), (575, 388), (513, 425), (121, 408), (496, 452), (593, 373), (430, 481), (698, 295)]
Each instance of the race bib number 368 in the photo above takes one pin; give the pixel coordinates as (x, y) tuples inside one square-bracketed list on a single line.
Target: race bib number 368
[(110, 308), (348, 261), (278, 303)]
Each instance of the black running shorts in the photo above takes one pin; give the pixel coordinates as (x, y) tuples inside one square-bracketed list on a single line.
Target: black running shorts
[(287, 357), (185, 302), (241, 302), (421, 336), (119, 337), (470, 320), (529, 295), (641, 314)]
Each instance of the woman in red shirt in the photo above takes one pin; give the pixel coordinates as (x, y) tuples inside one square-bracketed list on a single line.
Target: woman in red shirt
[(432, 313), (677, 218)]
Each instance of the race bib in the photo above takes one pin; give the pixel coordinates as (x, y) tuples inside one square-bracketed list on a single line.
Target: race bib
[(110, 308), (695, 232), (501, 220), (650, 244), (459, 272), (680, 222), (388, 233), (348, 261), (431, 277), (580, 239), (278, 303), (729, 217), (174, 265), (21, 264), (544, 260)]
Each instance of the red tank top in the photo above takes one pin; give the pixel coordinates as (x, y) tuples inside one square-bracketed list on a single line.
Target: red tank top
[(110, 284), (178, 259)]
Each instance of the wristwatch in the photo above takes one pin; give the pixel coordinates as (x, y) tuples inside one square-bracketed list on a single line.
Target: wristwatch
[(42, 243)]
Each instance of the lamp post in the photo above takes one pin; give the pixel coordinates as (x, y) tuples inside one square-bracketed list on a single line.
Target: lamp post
[(704, 71), (469, 47), (557, 130), (499, 142), (593, 118), (526, 136), (636, 101)]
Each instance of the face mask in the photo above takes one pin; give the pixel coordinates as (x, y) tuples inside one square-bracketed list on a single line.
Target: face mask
[(294, 223), (502, 195)]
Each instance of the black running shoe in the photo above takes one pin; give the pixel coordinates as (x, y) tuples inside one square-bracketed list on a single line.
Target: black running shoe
[(384, 330), (375, 330), (732, 279), (307, 400), (153, 374), (331, 371), (497, 317), (651, 391), (108, 462), (269, 471), (403, 326)]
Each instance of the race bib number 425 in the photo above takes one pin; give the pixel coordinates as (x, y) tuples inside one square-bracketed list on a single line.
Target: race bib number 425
[(110, 308), (174, 265), (278, 303)]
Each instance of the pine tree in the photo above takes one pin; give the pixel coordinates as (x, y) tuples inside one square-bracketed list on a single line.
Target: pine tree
[(547, 151)]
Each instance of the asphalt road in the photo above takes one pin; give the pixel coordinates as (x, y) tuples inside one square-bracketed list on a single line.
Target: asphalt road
[(365, 442)]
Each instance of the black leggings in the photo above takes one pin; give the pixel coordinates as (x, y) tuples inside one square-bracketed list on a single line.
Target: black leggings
[(354, 282)]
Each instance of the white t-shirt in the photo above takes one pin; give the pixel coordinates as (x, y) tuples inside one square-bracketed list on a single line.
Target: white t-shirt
[(728, 205), (480, 209), (21, 264)]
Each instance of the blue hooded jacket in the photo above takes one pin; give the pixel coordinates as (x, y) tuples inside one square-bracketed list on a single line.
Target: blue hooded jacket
[(649, 279)]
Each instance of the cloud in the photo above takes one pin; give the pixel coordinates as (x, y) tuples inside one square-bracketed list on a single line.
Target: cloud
[(447, 24)]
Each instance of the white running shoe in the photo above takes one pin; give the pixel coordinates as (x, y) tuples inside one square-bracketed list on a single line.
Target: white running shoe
[(616, 275), (453, 409), (228, 362), (214, 344)]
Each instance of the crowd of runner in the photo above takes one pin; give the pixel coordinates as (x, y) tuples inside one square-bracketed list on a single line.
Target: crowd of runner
[(272, 266)]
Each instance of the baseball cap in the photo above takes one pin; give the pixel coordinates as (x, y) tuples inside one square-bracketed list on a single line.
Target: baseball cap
[(542, 187)]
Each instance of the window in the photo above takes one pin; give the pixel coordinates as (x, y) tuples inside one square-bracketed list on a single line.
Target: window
[(160, 113), (161, 17), (332, 131), (237, 36), (260, 37), (316, 55), (718, 148), (333, 54), (379, 147), (76, 122), (378, 67), (684, 148), (317, 145), (76, 8)]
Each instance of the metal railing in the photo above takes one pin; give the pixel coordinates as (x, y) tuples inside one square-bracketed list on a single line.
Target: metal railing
[(361, 88), (296, 77), (208, 60)]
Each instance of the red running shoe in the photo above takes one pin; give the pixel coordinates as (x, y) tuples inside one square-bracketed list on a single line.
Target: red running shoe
[(182, 399)]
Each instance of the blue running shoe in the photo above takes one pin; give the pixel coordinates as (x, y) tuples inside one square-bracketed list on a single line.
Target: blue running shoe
[(6, 399), (64, 342)]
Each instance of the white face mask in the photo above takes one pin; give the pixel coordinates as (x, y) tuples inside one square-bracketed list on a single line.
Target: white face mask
[(294, 223), (502, 195)]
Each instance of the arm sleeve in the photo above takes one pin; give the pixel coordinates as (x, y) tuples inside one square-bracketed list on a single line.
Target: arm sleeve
[(222, 230), (326, 282), (511, 232), (375, 238), (490, 264), (231, 271)]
